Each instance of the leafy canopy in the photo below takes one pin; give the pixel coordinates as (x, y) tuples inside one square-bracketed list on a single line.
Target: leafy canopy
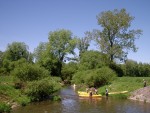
[(115, 39)]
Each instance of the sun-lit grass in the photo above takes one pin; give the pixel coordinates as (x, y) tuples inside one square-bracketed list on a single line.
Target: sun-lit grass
[(8, 93), (125, 84)]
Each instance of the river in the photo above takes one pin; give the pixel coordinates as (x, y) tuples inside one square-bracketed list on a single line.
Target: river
[(71, 103)]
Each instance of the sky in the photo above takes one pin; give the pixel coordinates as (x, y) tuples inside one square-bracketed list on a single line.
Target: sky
[(30, 21)]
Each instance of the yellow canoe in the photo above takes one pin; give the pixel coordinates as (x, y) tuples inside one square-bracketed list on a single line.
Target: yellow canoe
[(85, 94), (120, 92)]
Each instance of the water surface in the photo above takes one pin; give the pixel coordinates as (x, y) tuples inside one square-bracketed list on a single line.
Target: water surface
[(71, 103)]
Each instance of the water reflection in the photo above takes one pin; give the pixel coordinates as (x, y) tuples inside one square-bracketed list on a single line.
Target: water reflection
[(71, 103)]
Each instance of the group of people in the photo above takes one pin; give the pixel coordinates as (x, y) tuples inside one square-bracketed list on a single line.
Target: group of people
[(92, 91)]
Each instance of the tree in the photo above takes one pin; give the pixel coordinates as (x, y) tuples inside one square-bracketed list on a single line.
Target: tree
[(39, 51), (45, 58), (16, 51), (1, 56), (92, 60), (83, 44), (61, 43), (116, 39), (68, 70), (131, 68)]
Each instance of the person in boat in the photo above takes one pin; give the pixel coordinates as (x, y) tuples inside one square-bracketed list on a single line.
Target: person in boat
[(87, 90), (96, 91), (106, 92), (144, 82), (91, 93)]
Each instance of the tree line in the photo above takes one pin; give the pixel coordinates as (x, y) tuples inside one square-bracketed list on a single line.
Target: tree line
[(114, 39)]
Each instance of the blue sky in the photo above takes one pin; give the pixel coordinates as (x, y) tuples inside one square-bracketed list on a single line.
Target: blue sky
[(30, 21)]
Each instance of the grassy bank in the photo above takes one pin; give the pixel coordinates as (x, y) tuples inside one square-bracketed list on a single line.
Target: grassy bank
[(9, 95), (121, 84), (124, 84), (38, 90)]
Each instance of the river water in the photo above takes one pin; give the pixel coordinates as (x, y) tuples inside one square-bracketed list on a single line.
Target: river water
[(71, 103)]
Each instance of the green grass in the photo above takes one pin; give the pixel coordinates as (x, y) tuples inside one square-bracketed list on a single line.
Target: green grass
[(4, 108), (125, 84), (8, 93)]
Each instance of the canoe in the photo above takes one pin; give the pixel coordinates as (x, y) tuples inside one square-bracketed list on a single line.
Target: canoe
[(120, 92), (85, 94)]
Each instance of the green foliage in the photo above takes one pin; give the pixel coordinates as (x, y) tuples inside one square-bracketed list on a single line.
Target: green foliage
[(4, 108), (119, 96), (97, 77), (39, 51), (16, 51), (78, 78), (117, 68), (1, 57), (30, 72), (61, 43), (125, 84), (56, 98), (68, 70), (23, 100), (45, 58), (41, 89), (134, 69), (115, 39), (5, 69), (92, 60), (83, 44)]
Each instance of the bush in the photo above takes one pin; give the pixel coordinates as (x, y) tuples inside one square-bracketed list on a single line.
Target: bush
[(79, 77), (30, 72), (41, 89), (4, 107), (95, 77), (23, 100), (56, 98), (104, 76)]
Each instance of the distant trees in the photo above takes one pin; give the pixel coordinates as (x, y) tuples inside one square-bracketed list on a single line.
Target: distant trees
[(16, 51), (115, 39), (83, 44), (134, 69), (1, 57)]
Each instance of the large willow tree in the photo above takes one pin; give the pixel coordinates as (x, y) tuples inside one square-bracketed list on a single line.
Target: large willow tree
[(115, 38)]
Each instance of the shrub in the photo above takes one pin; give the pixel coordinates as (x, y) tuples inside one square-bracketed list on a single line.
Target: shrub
[(23, 100), (30, 72), (56, 98), (104, 76), (79, 77), (4, 108), (41, 89), (96, 77)]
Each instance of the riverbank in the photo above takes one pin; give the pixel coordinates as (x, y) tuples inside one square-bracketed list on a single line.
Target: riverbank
[(10, 97), (121, 87), (142, 94), (13, 97), (120, 84)]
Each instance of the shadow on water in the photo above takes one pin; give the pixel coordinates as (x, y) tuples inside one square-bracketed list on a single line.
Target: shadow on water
[(71, 103)]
